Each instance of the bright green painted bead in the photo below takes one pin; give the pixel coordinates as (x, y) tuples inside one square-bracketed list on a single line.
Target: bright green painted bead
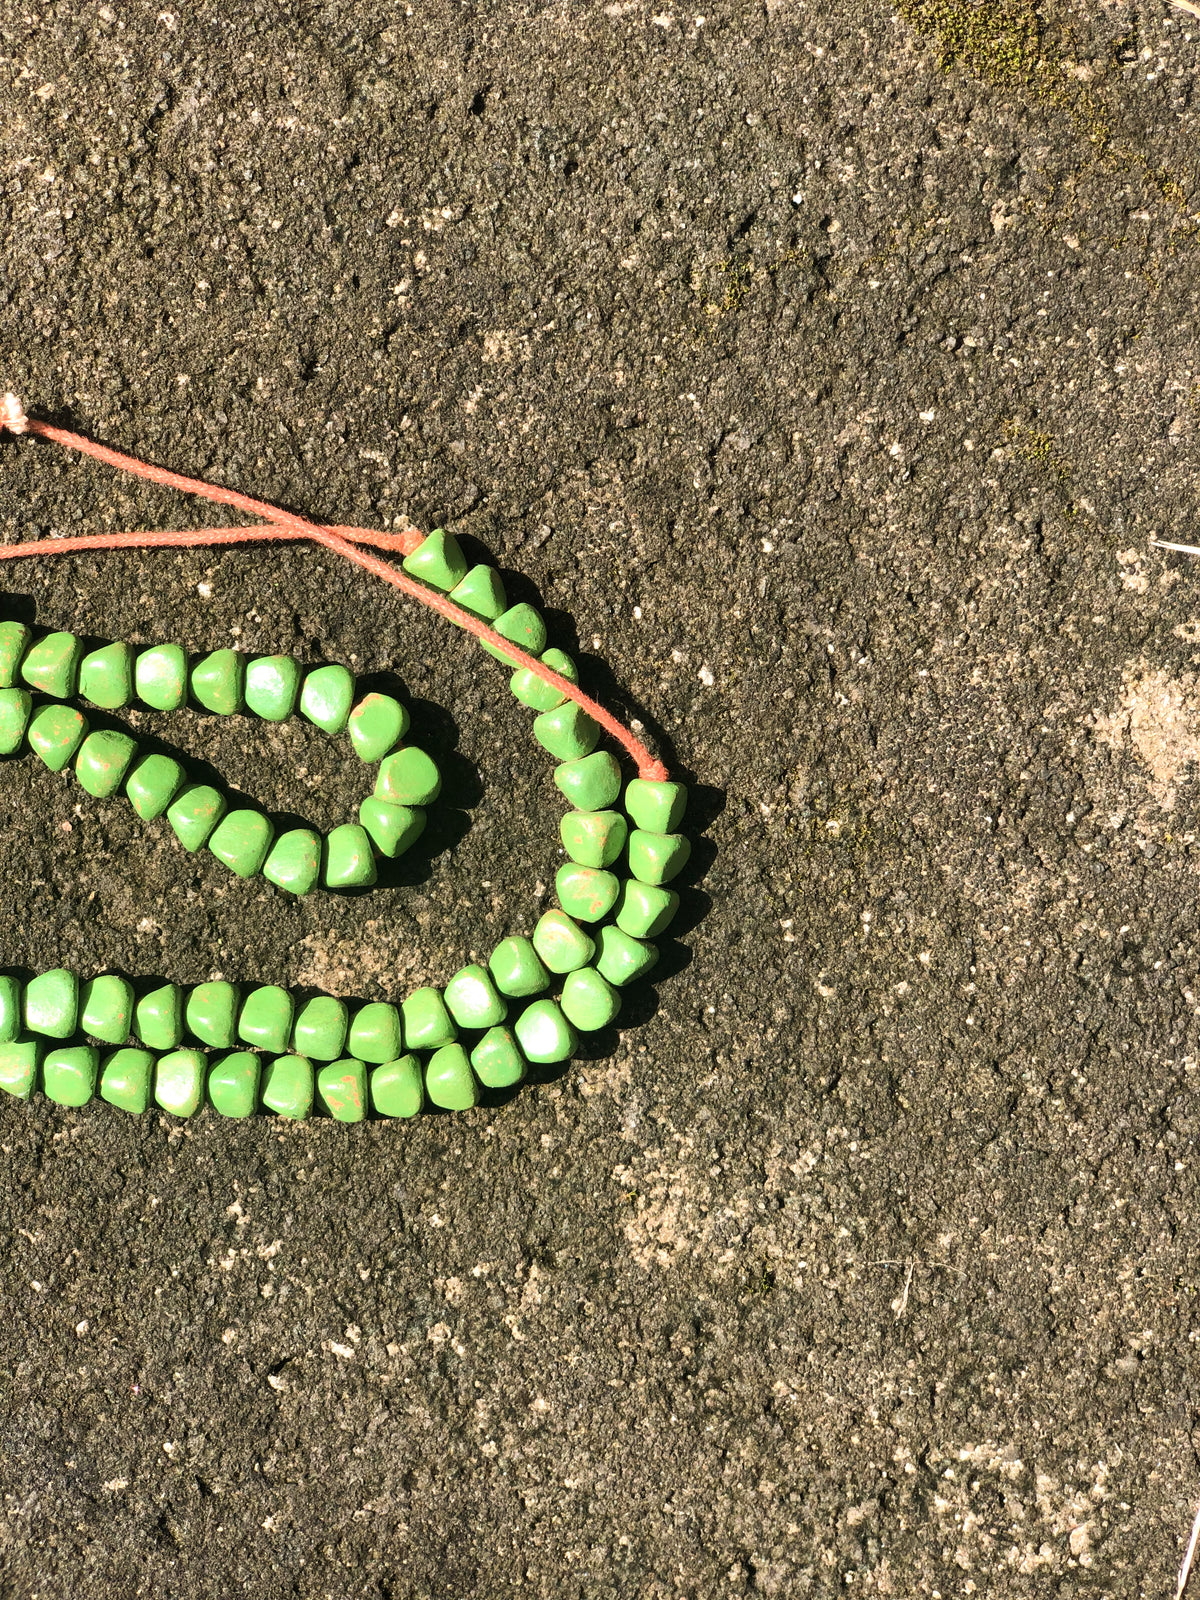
[(211, 1014), (294, 862), (437, 561), (375, 1033), (327, 696), (217, 682), (195, 812), (125, 1080), (409, 778), (103, 760), (233, 1084), (622, 959), (349, 858), (656, 807), (19, 1061), (287, 1087), (524, 626), (179, 1081), (16, 706), (481, 593), (272, 684), (106, 1008), (393, 828), (342, 1086), (588, 1000), (320, 1028), (561, 943), (69, 1074), (471, 998), (10, 1009), (497, 1059), (14, 641), (591, 783), (377, 725), (517, 968), (531, 691), (586, 893), (55, 734), (657, 857), (593, 838), (242, 840), (449, 1081), (152, 784), (544, 1034), (51, 1004), (567, 732), (396, 1087), (265, 1019), (427, 1023), (160, 677), (52, 665), (158, 1017), (644, 910), (106, 676)]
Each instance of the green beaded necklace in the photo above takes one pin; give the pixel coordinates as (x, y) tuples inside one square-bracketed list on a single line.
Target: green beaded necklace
[(245, 1049)]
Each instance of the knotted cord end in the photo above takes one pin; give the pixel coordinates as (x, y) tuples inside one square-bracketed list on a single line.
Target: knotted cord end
[(12, 414)]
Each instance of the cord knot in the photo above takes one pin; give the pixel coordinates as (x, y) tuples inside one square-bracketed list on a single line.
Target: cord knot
[(12, 414)]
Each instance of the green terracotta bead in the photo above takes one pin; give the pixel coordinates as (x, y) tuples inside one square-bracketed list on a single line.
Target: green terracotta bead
[(160, 677), (104, 759), (287, 1087), (349, 858), (561, 943), (195, 812), (327, 696), (591, 783), (342, 1086), (657, 857), (497, 1059), (233, 1084), (69, 1074), (211, 1014), (14, 641), (644, 910), (106, 676), (11, 1010), (437, 561), (272, 684), (524, 626), (52, 665), (19, 1062), (375, 1033), (265, 1019), (656, 807), (242, 840), (409, 778), (471, 999), (593, 838), (106, 1008), (481, 593), (544, 1034), (586, 893), (217, 682), (152, 784), (538, 695), (449, 1081), (517, 968), (396, 1087), (179, 1081), (588, 1000), (377, 725), (622, 959), (158, 1017), (427, 1023), (567, 732), (393, 828), (55, 734), (125, 1080), (320, 1028), (16, 706), (294, 862), (51, 1003)]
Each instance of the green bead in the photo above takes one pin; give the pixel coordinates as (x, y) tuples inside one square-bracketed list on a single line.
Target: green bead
[(152, 784), (320, 1028), (53, 665), (396, 1087), (375, 1033), (561, 943), (471, 999), (593, 838), (10, 1009), (14, 641), (657, 807), (342, 1086), (51, 1003), (287, 1087), (15, 708), (588, 1000), (233, 1084), (449, 1081), (620, 958), (393, 828), (55, 733), (427, 1023), (657, 857), (481, 593), (160, 677), (437, 561), (103, 760), (265, 1019), (409, 778), (217, 682), (69, 1074), (497, 1059), (524, 626), (158, 1017), (125, 1079), (567, 732), (544, 1034), (106, 1008), (517, 968), (349, 858), (272, 684), (106, 676), (644, 910), (195, 812), (294, 862), (592, 783), (377, 725), (586, 893), (211, 1014), (534, 692), (242, 840), (179, 1081), (327, 696), (19, 1061)]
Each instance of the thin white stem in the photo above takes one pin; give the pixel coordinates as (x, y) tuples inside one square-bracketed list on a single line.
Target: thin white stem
[(1186, 549), (1186, 1569)]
